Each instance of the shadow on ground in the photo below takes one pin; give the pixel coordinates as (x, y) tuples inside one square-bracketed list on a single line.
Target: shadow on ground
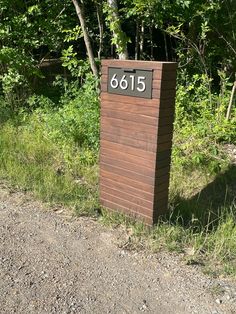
[(206, 207)]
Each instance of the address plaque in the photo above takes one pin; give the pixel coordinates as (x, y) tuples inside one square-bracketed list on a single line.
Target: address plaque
[(130, 82)]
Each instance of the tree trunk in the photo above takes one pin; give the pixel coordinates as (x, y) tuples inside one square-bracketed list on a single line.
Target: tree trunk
[(231, 101), (119, 37), (151, 43), (137, 41), (101, 28), (80, 13), (141, 45), (166, 48)]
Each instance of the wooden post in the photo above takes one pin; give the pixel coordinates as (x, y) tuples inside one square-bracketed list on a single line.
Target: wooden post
[(136, 136)]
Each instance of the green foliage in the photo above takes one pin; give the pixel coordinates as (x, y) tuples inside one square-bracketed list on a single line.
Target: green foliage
[(28, 32), (200, 124), (75, 122)]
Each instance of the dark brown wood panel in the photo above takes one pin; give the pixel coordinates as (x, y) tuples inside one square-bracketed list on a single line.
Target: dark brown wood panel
[(164, 162), (139, 118), (132, 142), (162, 184), (135, 109), (128, 174), (120, 178), (160, 156), (164, 130), (129, 125), (165, 103), (129, 100), (118, 208), (164, 76), (149, 65), (126, 196), (162, 172), (114, 161), (126, 204), (129, 150), (163, 94), (128, 189), (121, 155), (161, 202), (164, 138), (164, 146), (139, 135)]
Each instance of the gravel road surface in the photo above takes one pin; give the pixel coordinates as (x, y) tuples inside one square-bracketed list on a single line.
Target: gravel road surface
[(52, 262)]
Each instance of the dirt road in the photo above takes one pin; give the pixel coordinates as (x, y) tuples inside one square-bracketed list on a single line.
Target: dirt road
[(52, 262)]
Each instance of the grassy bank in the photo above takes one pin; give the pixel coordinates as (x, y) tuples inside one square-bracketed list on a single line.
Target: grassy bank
[(52, 150), (202, 220)]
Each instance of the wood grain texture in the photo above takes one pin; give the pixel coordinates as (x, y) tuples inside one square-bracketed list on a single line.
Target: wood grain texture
[(129, 116), (149, 156), (111, 205), (120, 186), (137, 177), (139, 161), (135, 108), (132, 142), (116, 162), (127, 181), (129, 125), (134, 199), (139, 135)]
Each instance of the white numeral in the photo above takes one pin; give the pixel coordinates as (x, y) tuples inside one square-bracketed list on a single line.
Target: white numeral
[(114, 82), (132, 82), (123, 82), (142, 83)]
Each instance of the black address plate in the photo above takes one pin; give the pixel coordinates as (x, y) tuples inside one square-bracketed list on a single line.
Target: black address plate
[(130, 82)]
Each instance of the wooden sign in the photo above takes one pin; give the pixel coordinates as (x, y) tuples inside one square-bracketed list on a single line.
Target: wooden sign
[(137, 114)]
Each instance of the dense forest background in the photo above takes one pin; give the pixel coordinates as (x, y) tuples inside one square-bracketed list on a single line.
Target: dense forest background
[(50, 54)]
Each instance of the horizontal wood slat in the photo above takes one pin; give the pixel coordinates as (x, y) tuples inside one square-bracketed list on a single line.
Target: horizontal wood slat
[(129, 150), (129, 125), (132, 190), (129, 100), (144, 145), (117, 114), (122, 179), (139, 135), (116, 162), (135, 109), (126, 204), (140, 161), (126, 196), (128, 174), (151, 65), (156, 103), (133, 213)]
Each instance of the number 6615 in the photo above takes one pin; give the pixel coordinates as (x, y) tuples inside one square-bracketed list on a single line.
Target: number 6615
[(129, 82)]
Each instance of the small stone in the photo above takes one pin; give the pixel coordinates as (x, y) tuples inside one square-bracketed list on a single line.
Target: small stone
[(218, 301)]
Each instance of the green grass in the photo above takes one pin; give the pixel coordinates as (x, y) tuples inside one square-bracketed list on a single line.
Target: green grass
[(32, 162), (201, 224)]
